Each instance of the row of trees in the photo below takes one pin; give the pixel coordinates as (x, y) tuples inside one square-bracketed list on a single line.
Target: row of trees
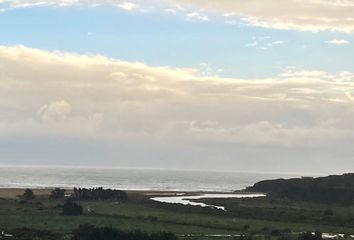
[(82, 194), (70, 207), (99, 194)]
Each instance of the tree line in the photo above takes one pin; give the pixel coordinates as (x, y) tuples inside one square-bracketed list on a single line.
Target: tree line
[(99, 194), (94, 194)]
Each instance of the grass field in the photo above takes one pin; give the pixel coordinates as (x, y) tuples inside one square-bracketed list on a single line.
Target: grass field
[(139, 213)]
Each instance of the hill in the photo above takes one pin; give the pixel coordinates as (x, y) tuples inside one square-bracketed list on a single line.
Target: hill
[(335, 189)]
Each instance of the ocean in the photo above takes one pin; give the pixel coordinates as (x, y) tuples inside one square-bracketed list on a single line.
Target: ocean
[(130, 179)]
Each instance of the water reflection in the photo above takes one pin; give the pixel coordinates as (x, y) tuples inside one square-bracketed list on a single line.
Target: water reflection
[(188, 200)]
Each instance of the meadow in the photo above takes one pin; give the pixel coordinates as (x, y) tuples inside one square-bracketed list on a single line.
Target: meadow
[(138, 212)]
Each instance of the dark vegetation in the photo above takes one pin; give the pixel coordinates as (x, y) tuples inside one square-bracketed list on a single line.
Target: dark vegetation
[(89, 232), (325, 190), (284, 210), (28, 195), (310, 236), (57, 193), (99, 194), (70, 208), (326, 200), (32, 234)]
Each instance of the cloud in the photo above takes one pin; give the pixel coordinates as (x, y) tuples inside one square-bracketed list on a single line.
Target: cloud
[(54, 86), (124, 5), (231, 22), (252, 44), (338, 42), (197, 16), (70, 96), (128, 6), (54, 111), (264, 43), (276, 43), (312, 15)]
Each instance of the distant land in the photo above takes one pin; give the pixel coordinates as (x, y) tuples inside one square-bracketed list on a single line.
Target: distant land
[(334, 189)]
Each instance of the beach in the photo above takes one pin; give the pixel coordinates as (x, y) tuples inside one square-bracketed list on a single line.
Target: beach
[(12, 193)]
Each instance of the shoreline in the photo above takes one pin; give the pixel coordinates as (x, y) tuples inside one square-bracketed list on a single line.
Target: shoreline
[(13, 193)]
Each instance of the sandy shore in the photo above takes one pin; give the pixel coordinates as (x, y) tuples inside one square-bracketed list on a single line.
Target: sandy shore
[(12, 193)]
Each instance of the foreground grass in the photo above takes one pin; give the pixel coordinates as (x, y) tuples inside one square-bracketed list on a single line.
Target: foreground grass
[(214, 223), (137, 214), (48, 217)]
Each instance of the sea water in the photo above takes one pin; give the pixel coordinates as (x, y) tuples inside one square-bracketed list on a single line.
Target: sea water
[(130, 179)]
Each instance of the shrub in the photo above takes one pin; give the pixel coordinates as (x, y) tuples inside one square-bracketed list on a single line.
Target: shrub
[(70, 208), (27, 233), (28, 195), (329, 212), (57, 193)]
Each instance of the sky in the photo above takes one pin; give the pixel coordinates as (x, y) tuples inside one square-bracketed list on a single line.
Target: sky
[(228, 85)]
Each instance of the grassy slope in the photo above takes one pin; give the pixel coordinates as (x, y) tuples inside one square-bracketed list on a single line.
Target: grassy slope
[(135, 215), (287, 210)]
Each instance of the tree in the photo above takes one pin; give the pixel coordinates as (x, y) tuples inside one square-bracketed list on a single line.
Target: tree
[(57, 193), (28, 195), (95, 194), (71, 208)]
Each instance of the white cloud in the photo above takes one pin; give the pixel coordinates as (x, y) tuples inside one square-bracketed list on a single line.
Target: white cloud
[(128, 6), (141, 100), (124, 5), (170, 11), (231, 22), (275, 43), (197, 16), (207, 69), (58, 110), (338, 42), (264, 43), (252, 44), (229, 14), (311, 15), (53, 94)]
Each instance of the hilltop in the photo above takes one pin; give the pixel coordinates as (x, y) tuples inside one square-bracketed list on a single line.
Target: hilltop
[(334, 189)]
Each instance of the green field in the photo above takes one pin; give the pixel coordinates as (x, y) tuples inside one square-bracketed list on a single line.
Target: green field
[(140, 213)]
